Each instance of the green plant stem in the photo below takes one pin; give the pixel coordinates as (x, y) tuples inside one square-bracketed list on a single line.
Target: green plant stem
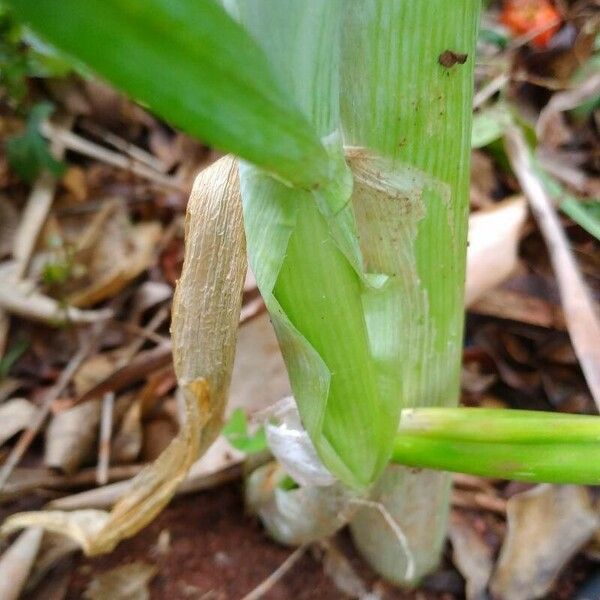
[(400, 102), (489, 425), (550, 462)]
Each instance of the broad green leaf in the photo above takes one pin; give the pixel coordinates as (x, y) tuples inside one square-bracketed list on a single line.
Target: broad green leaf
[(193, 65), (28, 154)]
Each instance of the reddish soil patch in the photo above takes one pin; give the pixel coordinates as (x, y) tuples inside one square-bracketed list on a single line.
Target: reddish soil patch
[(217, 552)]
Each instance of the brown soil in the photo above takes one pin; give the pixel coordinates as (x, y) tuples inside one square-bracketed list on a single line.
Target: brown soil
[(217, 552)]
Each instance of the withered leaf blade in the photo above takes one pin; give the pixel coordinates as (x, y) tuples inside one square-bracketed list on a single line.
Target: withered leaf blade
[(208, 298)]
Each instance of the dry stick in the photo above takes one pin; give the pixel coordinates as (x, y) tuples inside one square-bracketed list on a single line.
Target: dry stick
[(567, 100), (79, 144), (488, 90), (49, 397), (151, 360), (25, 480), (126, 147), (582, 321), (275, 576), (478, 501), (108, 400), (106, 423)]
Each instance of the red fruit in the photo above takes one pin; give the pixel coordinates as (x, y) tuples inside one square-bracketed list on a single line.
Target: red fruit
[(525, 16)]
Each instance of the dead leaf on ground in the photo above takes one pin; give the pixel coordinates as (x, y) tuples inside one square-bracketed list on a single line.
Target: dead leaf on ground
[(157, 434), (116, 253), (71, 436), (98, 531), (493, 239), (16, 563), (483, 179), (127, 442), (94, 369), (128, 582), (15, 415), (471, 556), (547, 526), (259, 376)]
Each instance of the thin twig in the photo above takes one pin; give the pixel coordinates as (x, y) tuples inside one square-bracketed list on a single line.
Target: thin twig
[(567, 100), (126, 147), (580, 315), (488, 90), (50, 396), (106, 425), (478, 501), (151, 360), (260, 590), (79, 144)]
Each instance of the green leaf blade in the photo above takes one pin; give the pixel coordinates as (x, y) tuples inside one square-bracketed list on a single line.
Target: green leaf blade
[(196, 67)]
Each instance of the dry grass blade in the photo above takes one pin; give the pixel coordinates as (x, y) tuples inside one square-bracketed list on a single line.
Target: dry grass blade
[(493, 240), (580, 313), (106, 425)]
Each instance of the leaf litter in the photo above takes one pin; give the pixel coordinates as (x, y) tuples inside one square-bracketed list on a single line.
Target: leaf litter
[(112, 222)]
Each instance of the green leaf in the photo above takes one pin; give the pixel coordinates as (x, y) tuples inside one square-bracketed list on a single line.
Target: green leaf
[(28, 154), (586, 213), (489, 125), (11, 357), (196, 67), (236, 432)]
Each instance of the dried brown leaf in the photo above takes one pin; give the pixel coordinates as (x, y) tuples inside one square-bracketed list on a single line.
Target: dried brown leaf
[(17, 561), (71, 435), (127, 442), (471, 556), (15, 415), (98, 531), (547, 525), (206, 312), (492, 254), (119, 255), (207, 301)]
